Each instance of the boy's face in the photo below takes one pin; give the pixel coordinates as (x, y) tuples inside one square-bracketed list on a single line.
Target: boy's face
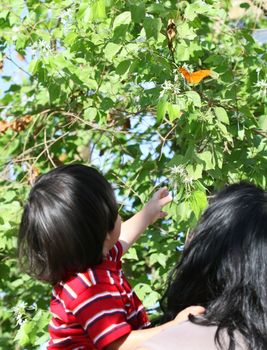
[(112, 236)]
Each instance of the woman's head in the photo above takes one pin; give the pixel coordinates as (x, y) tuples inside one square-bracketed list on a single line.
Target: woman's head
[(65, 221), (224, 264)]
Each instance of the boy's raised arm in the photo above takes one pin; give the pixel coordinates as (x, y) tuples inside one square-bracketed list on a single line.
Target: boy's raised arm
[(136, 225)]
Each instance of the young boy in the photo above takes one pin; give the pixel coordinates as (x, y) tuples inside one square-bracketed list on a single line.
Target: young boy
[(72, 236)]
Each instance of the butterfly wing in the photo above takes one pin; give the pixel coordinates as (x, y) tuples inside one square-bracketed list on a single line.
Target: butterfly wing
[(185, 74), (195, 77), (198, 76)]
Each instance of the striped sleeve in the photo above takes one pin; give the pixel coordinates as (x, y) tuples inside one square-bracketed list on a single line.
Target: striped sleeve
[(102, 315)]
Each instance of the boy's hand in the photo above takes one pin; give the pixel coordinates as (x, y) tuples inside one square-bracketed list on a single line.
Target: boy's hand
[(133, 227), (193, 310), (153, 208)]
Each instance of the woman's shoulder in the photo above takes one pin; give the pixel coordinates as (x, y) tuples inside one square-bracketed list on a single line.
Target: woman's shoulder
[(188, 336)]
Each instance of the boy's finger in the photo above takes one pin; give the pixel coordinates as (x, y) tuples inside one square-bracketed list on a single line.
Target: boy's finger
[(165, 200), (162, 214), (162, 192)]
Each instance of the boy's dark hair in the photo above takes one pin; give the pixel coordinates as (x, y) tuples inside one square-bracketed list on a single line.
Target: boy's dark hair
[(65, 221), (224, 267)]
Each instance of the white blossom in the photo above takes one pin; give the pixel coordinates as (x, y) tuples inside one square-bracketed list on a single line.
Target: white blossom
[(67, 20), (42, 47), (20, 311), (262, 85), (180, 170), (169, 87)]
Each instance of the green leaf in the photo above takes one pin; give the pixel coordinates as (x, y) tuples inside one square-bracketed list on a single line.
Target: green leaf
[(245, 5), (138, 12), (182, 52), (123, 18), (123, 67), (157, 8), (142, 289), (21, 42), (216, 60), (223, 129), (111, 50), (162, 108), (183, 211), (197, 7), (218, 157), (42, 340), (151, 299), (152, 27), (241, 133), (120, 26), (198, 202), (173, 111), (98, 9), (22, 337), (84, 12), (4, 13), (194, 97), (162, 259), (177, 159), (10, 196), (195, 171), (42, 319), (185, 32), (263, 122), (131, 254), (221, 114), (25, 333), (70, 38), (206, 157), (54, 92), (159, 258), (90, 113), (34, 66)]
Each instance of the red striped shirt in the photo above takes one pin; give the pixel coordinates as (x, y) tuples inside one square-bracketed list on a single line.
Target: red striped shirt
[(94, 308)]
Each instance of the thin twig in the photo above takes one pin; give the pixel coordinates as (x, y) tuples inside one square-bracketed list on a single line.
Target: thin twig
[(94, 125), (260, 132), (52, 142), (47, 150), (129, 188), (165, 139), (22, 69)]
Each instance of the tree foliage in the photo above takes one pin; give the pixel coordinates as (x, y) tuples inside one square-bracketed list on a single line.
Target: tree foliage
[(102, 85)]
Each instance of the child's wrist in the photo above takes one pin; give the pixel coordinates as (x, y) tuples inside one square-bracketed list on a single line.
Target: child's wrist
[(147, 216)]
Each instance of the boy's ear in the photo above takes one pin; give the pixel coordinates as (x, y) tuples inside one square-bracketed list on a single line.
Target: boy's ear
[(105, 249)]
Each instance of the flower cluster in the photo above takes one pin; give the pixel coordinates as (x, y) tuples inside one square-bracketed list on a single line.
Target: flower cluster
[(180, 170), (170, 88), (262, 85), (21, 310), (67, 20), (41, 47)]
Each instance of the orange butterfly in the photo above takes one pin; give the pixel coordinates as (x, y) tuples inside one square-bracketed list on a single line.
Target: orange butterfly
[(195, 77)]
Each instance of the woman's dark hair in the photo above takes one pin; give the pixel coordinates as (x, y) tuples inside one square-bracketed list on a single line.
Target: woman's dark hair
[(65, 221), (224, 268)]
